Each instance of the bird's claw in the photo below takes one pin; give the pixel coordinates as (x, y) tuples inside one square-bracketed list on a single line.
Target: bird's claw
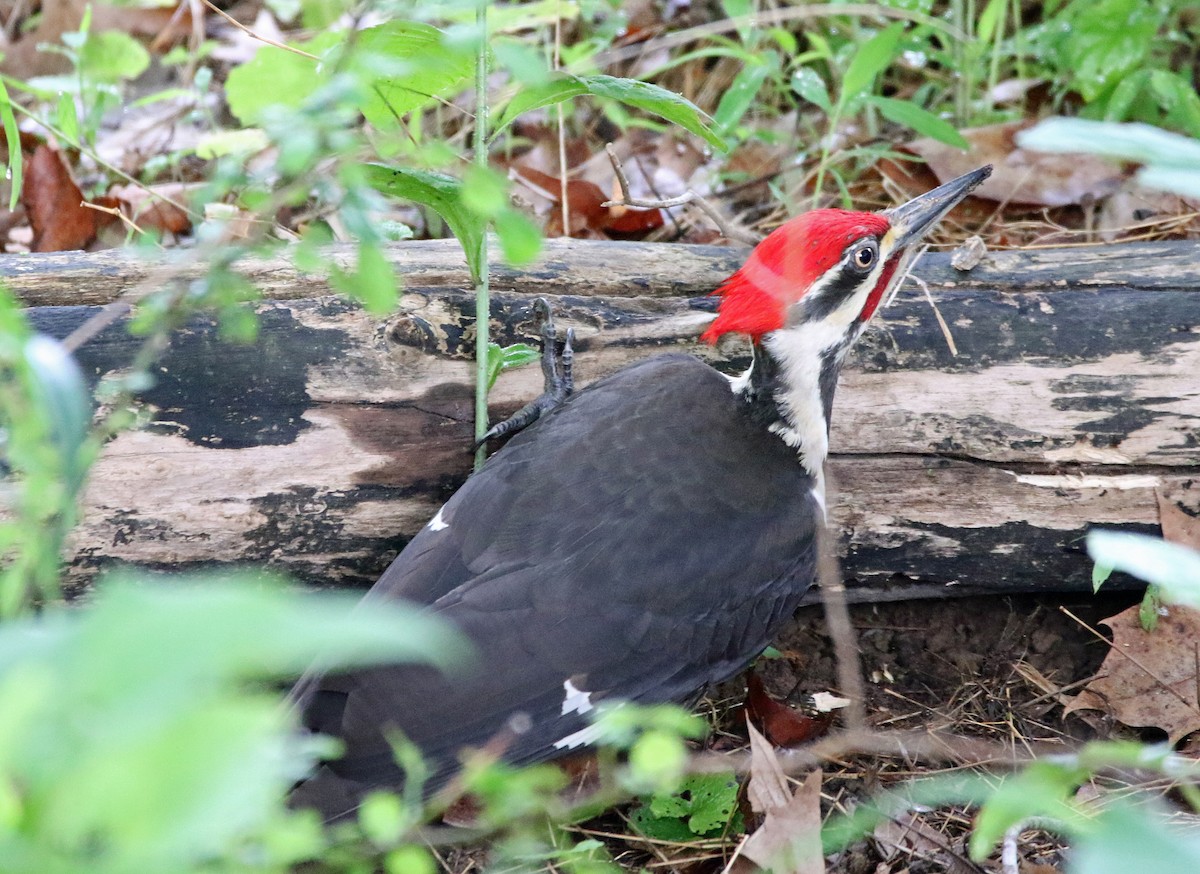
[(557, 375)]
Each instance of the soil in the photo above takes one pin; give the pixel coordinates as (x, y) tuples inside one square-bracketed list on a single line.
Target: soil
[(992, 668)]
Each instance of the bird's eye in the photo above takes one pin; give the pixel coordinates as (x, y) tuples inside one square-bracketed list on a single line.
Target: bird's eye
[(864, 256)]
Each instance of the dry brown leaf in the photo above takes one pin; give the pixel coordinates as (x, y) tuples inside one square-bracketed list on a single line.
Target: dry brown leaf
[(52, 202), (1149, 678), (789, 839), (1020, 176), (1179, 512), (1134, 209)]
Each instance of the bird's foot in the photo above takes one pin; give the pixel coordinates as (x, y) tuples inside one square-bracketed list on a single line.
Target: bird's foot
[(558, 380)]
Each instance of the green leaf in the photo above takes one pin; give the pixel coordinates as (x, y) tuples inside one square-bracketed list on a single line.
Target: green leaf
[(630, 92), (442, 194), (406, 65), (740, 94), (1175, 569), (61, 393), (1148, 609), (520, 238), (373, 280), (920, 120), (111, 56), (1100, 575), (992, 17), (410, 859), (558, 88), (809, 85), (484, 190), (658, 101), (274, 77), (382, 817), (1128, 838), (1123, 96), (16, 164), (1043, 789), (871, 59), (1174, 179), (1128, 142)]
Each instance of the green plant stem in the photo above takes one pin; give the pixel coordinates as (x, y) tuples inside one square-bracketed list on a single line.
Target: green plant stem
[(482, 302)]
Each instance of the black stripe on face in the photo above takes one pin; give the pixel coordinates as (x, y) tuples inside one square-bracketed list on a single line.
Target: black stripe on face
[(848, 277)]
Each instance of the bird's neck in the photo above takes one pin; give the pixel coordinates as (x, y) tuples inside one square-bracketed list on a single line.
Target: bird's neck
[(790, 385)]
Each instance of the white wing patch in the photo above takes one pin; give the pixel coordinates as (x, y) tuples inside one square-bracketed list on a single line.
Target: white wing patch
[(575, 701), (437, 523), (579, 738)]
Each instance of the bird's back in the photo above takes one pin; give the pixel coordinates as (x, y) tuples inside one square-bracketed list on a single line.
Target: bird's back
[(643, 540)]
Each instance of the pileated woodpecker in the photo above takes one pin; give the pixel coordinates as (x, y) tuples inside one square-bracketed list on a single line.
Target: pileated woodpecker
[(645, 538)]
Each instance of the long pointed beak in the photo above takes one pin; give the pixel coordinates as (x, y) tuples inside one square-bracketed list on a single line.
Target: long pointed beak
[(910, 221)]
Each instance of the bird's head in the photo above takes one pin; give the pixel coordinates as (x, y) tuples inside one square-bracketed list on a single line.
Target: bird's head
[(830, 266)]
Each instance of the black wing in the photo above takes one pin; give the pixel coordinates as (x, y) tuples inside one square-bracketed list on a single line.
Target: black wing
[(641, 541)]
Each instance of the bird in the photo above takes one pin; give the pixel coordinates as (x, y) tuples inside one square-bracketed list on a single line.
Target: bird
[(645, 538)]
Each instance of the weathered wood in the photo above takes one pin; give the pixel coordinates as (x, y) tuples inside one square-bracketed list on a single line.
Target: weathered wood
[(320, 448)]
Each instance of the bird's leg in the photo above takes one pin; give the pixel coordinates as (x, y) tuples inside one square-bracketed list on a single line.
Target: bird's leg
[(558, 379)]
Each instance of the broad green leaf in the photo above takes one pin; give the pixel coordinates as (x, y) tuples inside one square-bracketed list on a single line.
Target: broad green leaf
[(409, 859), (1175, 569), (66, 119), (501, 358), (920, 120), (526, 64), (1100, 575), (871, 59), (1106, 40), (274, 77), (658, 101), (740, 94), (1177, 180), (1128, 838), (442, 194), (558, 88), (1128, 142), (990, 20), (629, 92), (373, 281), (111, 56), (231, 142), (1043, 789), (484, 190), (520, 238), (808, 83), (1122, 98), (407, 64), (519, 354)]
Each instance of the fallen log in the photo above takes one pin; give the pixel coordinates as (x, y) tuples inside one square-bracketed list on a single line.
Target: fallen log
[(320, 448)]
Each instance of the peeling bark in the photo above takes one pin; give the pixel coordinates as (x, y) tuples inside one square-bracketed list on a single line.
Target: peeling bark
[(323, 446)]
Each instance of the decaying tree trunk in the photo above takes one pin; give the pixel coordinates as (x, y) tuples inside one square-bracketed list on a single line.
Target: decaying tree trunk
[(319, 449)]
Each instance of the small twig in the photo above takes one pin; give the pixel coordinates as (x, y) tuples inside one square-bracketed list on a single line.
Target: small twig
[(937, 314), (266, 40), (687, 197), (114, 211), (564, 188), (837, 619)]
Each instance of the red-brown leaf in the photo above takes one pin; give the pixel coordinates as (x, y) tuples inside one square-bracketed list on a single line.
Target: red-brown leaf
[(52, 201), (783, 725)]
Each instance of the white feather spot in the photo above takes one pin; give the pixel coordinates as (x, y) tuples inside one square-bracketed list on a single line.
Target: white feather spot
[(575, 700), (579, 738), (437, 523)]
